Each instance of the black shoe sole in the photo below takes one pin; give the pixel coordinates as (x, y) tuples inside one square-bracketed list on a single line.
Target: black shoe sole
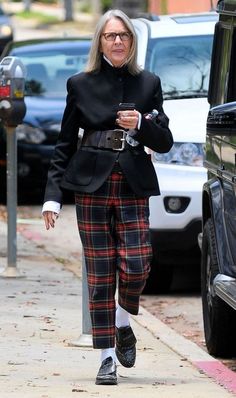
[(106, 381)]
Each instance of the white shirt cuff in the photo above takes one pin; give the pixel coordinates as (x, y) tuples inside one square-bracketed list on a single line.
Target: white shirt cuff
[(139, 121), (50, 205)]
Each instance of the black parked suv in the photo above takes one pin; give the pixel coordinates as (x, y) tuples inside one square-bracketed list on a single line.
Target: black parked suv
[(218, 267)]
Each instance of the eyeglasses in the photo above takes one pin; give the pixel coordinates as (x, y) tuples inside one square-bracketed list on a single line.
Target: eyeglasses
[(111, 36)]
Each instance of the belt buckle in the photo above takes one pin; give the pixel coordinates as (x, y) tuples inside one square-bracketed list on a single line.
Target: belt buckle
[(118, 140)]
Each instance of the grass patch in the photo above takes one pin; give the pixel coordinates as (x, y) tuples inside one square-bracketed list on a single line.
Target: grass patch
[(41, 18)]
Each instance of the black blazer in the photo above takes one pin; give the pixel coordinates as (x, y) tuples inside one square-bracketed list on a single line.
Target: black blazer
[(92, 104)]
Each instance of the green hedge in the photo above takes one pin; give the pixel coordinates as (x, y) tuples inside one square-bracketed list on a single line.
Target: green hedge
[(47, 1), (106, 4), (40, 1)]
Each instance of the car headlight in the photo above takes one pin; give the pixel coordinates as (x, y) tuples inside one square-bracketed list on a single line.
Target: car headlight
[(188, 154), (29, 134), (5, 30)]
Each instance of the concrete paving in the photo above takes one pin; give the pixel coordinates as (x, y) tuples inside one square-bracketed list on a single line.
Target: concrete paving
[(42, 318)]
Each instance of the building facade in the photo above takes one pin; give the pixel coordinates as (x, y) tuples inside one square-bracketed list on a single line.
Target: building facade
[(180, 6)]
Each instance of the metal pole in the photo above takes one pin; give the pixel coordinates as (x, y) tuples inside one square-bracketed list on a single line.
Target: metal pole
[(96, 10), (85, 339), (11, 270), (11, 195)]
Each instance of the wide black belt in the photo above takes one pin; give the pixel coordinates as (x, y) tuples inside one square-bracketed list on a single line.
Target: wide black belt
[(106, 139)]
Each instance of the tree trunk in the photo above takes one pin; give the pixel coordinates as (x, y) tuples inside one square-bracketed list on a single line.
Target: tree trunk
[(164, 6), (27, 5), (96, 9), (68, 5)]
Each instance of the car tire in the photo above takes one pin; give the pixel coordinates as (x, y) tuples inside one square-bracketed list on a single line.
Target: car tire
[(159, 279), (218, 317)]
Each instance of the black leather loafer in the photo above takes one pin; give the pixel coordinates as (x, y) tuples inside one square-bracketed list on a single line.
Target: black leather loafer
[(125, 346), (107, 372)]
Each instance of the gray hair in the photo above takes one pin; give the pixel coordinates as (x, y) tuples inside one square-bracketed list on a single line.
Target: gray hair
[(94, 60)]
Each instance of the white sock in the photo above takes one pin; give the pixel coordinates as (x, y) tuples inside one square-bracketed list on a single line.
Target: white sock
[(122, 317), (108, 352)]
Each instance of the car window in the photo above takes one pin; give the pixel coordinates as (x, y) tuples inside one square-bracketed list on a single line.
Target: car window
[(183, 64), (47, 71), (222, 86), (232, 77)]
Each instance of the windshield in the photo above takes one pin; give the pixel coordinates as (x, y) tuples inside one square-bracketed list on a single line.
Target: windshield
[(183, 64), (47, 71)]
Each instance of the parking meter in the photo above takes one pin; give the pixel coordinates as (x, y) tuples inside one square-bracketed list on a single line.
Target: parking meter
[(12, 84), (12, 112)]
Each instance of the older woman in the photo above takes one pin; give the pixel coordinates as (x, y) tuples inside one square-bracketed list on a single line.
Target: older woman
[(112, 177)]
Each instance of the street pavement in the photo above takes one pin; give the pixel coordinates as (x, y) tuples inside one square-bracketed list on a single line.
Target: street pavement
[(42, 329)]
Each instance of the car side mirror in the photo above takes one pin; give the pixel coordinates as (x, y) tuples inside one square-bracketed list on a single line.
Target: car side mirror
[(221, 119)]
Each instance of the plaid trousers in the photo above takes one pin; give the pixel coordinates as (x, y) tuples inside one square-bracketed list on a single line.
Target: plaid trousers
[(114, 229)]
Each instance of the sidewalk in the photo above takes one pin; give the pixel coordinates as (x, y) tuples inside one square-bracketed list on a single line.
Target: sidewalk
[(42, 316), (83, 23)]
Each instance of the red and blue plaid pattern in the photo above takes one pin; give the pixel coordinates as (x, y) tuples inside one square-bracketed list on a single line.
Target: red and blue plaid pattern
[(114, 230)]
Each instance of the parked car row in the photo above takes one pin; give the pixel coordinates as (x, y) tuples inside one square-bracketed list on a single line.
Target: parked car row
[(6, 29), (49, 63), (178, 49)]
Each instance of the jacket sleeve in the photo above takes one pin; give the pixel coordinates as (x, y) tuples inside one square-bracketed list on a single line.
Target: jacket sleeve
[(65, 147), (155, 134)]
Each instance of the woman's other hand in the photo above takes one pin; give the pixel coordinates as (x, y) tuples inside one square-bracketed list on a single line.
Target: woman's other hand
[(49, 219)]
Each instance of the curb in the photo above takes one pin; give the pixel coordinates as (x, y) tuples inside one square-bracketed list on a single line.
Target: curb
[(189, 351)]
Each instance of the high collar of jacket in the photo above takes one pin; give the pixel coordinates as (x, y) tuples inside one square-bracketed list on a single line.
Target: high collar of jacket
[(121, 71)]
